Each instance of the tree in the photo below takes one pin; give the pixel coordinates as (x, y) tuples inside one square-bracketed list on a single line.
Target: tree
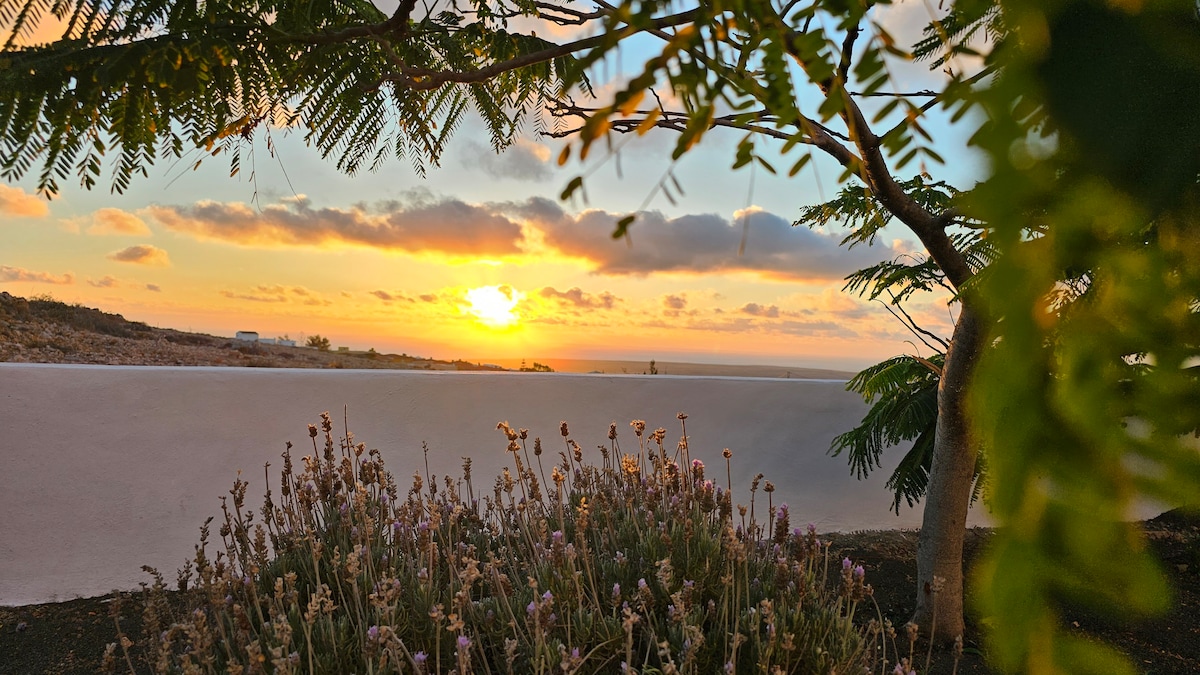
[(143, 76), (317, 342), (902, 390), (139, 78)]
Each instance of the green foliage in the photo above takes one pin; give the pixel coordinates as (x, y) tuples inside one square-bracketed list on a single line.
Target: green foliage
[(635, 559), (318, 342), (902, 392), (859, 210), (137, 78), (1085, 412)]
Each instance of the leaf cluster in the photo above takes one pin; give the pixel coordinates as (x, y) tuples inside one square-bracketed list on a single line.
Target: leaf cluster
[(141, 78)]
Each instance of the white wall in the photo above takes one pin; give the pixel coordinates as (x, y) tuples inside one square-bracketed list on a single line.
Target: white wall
[(104, 469)]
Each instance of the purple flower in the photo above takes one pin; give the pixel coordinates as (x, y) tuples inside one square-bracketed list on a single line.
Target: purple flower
[(464, 642), (557, 537), (373, 633), (641, 584), (531, 607), (420, 658), (548, 596), (812, 529), (859, 572), (846, 564)]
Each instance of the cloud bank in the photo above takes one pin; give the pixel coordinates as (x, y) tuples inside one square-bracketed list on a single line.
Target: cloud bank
[(699, 243), (752, 241), (421, 225)]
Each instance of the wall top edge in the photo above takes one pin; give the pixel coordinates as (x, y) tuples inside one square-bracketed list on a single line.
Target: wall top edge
[(236, 371)]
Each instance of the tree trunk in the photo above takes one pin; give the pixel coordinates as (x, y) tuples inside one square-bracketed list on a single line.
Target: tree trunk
[(948, 496)]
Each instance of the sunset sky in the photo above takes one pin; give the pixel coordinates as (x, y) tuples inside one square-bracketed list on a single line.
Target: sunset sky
[(395, 262)]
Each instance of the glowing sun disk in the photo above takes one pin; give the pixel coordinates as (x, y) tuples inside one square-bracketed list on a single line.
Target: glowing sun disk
[(494, 305)]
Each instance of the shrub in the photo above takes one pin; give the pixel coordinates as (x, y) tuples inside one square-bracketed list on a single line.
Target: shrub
[(639, 562), (83, 318)]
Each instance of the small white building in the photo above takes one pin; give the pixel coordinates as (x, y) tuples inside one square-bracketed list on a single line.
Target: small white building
[(267, 341), (285, 342), (246, 336)]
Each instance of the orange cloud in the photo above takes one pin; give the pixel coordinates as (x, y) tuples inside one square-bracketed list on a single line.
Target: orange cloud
[(16, 202), (278, 293), (21, 274), (142, 254), (576, 298), (117, 222), (418, 225), (387, 296)]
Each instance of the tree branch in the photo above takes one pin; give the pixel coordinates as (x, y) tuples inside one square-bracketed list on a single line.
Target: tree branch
[(939, 96), (894, 94), (398, 22), (418, 78), (573, 17), (912, 326), (848, 53)]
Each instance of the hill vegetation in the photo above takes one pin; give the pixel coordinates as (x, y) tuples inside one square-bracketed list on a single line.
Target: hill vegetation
[(45, 330)]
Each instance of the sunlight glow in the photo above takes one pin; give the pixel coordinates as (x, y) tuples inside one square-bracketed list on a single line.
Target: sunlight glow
[(494, 305)]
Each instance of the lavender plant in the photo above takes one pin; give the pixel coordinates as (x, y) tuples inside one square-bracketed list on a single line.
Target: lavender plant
[(605, 561)]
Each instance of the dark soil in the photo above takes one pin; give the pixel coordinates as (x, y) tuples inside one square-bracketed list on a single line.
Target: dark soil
[(70, 637)]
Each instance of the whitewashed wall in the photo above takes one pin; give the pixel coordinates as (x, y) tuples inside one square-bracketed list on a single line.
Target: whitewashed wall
[(105, 469)]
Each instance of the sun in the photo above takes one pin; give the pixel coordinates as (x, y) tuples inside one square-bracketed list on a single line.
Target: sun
[(494, 305)]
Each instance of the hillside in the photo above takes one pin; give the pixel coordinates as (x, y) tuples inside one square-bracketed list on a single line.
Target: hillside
[(42, 330)]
